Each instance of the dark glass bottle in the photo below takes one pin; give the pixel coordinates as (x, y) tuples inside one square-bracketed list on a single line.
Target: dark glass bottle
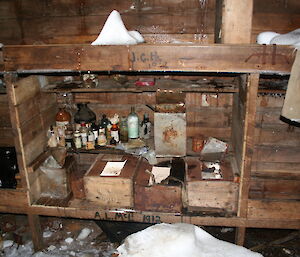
[(123, 130), (104, 121), (145, 127), (84, 114)]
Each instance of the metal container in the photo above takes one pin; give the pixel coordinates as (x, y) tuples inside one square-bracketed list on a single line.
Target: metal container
[(170, 134)]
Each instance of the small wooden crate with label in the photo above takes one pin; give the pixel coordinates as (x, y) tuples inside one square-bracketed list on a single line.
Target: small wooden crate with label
[(211, 195), (109, 181)]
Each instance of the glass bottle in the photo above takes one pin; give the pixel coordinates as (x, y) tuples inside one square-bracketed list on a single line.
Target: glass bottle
[(77, 139), (69, 137), (83, 134), (90, 141), (133, 124), (84, 114), (95, 130), (123, 130), (104, 121), (101, 139), (145, 127), (108, 132), (114, 132), (62, 118)]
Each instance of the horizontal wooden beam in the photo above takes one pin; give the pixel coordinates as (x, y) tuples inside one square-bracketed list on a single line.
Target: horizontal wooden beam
[(83, 210), (147, 57)]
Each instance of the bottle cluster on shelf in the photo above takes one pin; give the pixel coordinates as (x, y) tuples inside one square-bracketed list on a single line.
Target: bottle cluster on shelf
[(85, 131)]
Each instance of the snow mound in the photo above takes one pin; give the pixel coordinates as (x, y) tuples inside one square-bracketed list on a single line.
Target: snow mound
[(270, 37), (179, 240), (114, 32)]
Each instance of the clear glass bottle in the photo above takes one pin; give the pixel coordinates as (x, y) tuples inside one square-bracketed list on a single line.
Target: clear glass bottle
[(133, 124), (123, 130)]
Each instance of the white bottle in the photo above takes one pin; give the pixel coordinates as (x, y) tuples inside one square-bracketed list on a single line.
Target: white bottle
[(133, 125)]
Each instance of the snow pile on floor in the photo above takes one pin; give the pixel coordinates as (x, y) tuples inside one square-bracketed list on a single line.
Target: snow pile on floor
[(270, 37), (179, 240), (61, 244), (114, 32)]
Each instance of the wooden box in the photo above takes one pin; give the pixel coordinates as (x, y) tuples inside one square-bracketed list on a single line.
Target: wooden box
[(159, 197), (215, 195), (111, 191), (51, 186)]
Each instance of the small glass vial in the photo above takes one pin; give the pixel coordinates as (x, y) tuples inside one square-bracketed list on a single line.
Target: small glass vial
[(77, 139), (83, 134), (91, 141)]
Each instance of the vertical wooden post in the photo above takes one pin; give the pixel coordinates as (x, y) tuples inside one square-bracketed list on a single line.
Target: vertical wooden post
[(36, 231), (250, 99), (10, 78), (236, 24)]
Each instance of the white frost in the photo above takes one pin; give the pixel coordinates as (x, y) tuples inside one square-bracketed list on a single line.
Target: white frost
[(7, 243), (114, 32), (179, 240), (84, 233), (69, 240)]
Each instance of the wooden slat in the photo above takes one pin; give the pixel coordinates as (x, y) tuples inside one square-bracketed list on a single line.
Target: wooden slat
[(287, 210), (25, 89), (248, 142), (221, 58), (276, 154), (6, 137), (14, 199), (236, 21)]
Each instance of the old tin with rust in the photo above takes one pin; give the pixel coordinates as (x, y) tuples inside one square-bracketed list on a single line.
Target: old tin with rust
[(170, 134)]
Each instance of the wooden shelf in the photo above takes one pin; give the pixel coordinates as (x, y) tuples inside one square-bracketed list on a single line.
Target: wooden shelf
[(111, 85), (246, 58)]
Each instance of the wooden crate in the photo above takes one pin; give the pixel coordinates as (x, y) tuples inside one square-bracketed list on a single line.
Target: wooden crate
[(111, 191), (160, 197), (56, 189), (210, 195)]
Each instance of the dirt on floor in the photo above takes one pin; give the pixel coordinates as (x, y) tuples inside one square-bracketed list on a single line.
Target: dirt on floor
[(86, 238)]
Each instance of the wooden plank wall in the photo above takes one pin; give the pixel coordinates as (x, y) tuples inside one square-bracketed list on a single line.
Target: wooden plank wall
[(276, 158), (281, 16), (80, 21), (32, 112), (208, 114), (161, 21)]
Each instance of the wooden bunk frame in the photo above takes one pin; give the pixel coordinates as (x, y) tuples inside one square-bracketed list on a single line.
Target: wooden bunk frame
[(246, 60)]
